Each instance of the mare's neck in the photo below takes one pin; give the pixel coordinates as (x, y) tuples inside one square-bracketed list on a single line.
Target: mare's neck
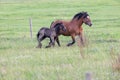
[(77, 22)]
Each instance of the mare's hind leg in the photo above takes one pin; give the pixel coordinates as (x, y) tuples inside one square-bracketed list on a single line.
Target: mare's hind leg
[(73, 40)]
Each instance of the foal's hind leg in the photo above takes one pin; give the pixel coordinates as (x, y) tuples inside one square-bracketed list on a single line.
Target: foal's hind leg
[(39, 45), (39, 41)]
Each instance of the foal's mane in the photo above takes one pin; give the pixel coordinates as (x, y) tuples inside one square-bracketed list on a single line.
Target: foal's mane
[(80, 14), (56, 27)]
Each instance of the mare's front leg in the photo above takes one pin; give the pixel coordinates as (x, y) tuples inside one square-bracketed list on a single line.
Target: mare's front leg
[(73, 40), (82, 39)]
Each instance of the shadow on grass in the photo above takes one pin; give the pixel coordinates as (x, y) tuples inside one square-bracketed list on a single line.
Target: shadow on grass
[(106, 41)]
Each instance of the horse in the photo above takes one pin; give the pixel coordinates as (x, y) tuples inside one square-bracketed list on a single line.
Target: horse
[(74, 26), (51, 33)]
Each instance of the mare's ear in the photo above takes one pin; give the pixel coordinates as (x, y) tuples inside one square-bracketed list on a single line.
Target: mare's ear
[(85, 14)]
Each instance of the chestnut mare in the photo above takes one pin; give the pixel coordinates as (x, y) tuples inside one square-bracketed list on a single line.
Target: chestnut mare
[(74, 26)]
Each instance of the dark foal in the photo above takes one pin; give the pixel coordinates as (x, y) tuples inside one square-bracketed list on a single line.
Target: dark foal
[(51, 33)]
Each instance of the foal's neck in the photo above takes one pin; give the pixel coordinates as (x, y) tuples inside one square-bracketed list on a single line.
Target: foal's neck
[(57, 29)]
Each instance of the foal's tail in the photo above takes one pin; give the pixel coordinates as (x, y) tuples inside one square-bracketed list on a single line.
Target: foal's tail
[(38, 35)]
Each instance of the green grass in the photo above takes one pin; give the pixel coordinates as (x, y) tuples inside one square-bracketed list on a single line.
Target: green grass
[(20, 60)]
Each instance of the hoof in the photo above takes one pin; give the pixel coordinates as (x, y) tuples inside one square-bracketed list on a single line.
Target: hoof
[(68, 45), (38, 46), (47, 47)]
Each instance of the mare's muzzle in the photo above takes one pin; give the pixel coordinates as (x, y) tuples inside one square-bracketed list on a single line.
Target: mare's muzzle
[(89, 24)]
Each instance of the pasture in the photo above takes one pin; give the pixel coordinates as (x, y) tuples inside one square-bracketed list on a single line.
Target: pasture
[(20, 60)]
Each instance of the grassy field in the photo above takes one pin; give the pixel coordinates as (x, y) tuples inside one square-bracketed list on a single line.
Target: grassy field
[(20, 60)]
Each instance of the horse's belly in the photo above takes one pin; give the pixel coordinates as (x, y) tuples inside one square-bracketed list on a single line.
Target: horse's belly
[(66, 34)]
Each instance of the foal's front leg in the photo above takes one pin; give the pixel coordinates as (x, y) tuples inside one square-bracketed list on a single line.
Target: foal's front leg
[(73, 40), (57, 40), (52, 42)]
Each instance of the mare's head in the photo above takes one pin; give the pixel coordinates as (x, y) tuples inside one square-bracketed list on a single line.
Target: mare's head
[(85, 18), (59, 27)]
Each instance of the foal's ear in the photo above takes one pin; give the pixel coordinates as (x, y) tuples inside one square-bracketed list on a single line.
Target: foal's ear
[(59, 23), (51, 24), (84, 12)]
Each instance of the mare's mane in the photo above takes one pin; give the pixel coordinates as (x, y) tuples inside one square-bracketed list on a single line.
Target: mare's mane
[(80, 14)]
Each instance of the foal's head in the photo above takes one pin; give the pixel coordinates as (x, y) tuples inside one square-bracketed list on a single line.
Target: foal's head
[(85, 18), (59, 27)]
